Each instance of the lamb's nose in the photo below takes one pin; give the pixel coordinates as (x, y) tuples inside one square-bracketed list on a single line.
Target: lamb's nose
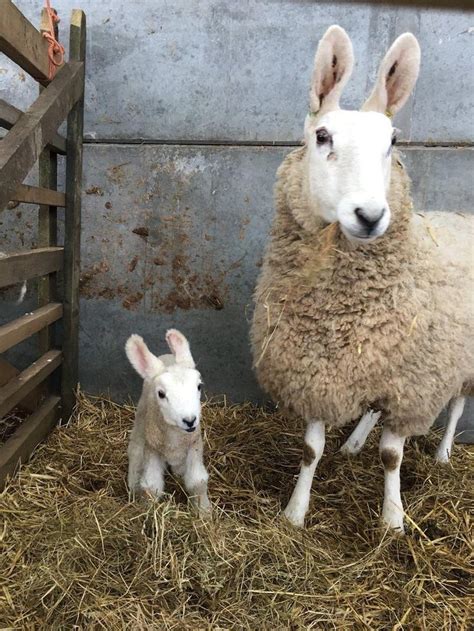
[(368, 221), (189, 421)]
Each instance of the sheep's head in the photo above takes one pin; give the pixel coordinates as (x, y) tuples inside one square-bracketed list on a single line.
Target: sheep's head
[(349, 153), (176, 384)]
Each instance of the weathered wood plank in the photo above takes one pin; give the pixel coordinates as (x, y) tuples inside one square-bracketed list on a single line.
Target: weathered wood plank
[(20, 266), (47, 237), (9, 115), (22, 328), (23, 43), (38, 195), (31, 432), (17, 388), (72, 228), (22, 145)]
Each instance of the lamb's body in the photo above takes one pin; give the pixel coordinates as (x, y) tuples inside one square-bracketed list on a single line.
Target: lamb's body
[(339, 328), (155, 441)]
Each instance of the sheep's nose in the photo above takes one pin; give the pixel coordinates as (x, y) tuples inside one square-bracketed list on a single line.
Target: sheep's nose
[(369, 220), (189, 421)]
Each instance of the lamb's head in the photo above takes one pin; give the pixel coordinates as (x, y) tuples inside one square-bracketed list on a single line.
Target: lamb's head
[(349, 153), (176, 384)]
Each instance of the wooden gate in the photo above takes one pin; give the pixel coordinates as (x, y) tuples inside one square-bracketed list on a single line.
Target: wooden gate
[(33, 137)]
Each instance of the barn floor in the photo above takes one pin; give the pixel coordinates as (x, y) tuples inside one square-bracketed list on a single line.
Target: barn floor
[(76, 553)]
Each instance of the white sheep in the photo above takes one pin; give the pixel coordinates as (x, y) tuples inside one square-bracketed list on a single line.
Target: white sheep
[(361, 303), (166, 430)]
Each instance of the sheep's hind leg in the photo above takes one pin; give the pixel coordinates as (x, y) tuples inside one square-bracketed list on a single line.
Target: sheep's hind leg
[(312, 451), (357, 439), (153, 478), (456, 409), (391, 454)]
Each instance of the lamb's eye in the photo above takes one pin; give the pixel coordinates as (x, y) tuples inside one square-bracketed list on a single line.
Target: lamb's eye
[(199, 387), (394, 138), (161, 394), (322, 136)]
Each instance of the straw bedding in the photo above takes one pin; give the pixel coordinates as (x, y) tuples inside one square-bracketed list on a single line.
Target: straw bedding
[(75, 553)]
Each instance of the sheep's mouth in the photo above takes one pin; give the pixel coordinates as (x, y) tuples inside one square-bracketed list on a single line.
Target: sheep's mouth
[(190, 429)]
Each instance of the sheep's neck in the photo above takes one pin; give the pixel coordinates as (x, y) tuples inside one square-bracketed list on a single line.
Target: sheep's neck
[(318, 246)]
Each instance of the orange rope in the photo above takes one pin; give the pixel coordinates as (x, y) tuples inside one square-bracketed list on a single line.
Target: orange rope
[(55, 50)]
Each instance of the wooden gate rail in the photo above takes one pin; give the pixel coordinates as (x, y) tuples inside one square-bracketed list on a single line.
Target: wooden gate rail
[(32, 137)]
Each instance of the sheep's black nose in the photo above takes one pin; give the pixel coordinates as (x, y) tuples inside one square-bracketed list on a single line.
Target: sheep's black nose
[(189, 421), (368, 221)]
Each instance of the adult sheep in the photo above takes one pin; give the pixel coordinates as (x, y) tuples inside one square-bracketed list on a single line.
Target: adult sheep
[(361, 304)]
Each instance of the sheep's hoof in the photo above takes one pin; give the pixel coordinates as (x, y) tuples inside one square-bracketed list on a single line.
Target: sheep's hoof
[(442, 456), (350, 449), (394, 521), (295, 516)]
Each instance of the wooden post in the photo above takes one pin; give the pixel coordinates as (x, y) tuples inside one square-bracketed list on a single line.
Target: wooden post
[(72, 228)]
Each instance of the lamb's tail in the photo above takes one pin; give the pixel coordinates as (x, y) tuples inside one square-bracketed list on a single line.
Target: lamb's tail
[(22, 295)]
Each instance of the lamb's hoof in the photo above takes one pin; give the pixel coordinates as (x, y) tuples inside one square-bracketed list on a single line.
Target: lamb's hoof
[(205, 511), (394, 521), (295, 516)]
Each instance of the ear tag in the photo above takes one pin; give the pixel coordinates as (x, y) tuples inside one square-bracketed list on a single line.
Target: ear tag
[(388, 113), (313, 114)]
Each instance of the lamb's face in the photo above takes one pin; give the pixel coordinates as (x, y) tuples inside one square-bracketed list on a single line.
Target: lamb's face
[(178, 394), (349, 164)]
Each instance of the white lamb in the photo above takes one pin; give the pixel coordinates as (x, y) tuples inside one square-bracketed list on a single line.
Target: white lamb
[(166, 429)]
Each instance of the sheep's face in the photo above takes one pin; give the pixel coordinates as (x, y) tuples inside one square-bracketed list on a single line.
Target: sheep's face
[(178, 395), (349, 152), (349, 163)]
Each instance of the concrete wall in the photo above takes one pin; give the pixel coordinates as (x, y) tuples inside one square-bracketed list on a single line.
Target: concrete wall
[(190, 108)]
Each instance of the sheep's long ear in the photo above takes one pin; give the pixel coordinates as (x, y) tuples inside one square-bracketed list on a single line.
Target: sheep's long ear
[(397, 76), (332, 68), (145, 363), (179, 346)]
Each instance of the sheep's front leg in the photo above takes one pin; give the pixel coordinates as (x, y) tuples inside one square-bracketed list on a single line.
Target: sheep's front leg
[(153, 477), (456, 409), (195, 479), (312, 451), (357, 439), (135, 464), (391, 454)]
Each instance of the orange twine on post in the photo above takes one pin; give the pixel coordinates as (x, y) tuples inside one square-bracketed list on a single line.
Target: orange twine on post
[(55, 49)]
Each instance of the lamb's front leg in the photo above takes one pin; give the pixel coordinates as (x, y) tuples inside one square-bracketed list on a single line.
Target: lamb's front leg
[(195, 479), (153, 477), (391, 454), (312, 451)]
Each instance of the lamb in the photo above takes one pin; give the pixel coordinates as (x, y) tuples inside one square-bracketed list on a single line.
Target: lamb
[(361, 304), (166, 430)]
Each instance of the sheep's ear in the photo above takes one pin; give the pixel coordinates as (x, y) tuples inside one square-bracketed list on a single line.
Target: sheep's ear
[(145, 363), (397, 76), (332, 68), (179, 346)]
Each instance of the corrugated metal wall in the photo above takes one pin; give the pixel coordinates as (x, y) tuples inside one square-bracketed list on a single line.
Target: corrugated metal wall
[(190, 108)]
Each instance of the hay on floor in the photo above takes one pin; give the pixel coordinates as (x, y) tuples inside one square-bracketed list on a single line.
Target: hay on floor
[(76, 554)]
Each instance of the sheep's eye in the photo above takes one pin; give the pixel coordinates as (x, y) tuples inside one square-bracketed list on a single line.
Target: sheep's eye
[(161, 394), (322, 136), (199, 387), (394, 138)]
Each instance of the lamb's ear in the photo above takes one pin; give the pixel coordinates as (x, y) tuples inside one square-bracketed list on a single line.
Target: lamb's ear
[(332, 68), (145, 363), (179, 346), (397, 76)]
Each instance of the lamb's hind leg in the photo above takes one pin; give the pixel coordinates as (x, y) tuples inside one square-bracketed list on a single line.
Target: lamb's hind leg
[(391, 454), (357, 439), (456, 409), (312, 451)]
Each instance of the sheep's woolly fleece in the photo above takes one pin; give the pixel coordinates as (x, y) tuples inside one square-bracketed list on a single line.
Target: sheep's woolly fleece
[(339, 328), (76, 554)]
